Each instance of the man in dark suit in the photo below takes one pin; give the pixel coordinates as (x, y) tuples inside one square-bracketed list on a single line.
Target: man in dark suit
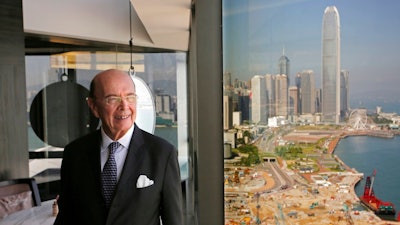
[(145, 179)]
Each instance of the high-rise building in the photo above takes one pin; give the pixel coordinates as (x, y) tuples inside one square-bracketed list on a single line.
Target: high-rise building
[(244, 103), (258, 100), (228, 112), (344, 93), (297, 81), (163, 103), (270, 88), (240, 84), (318, 97), (293, 101), (331, 65), (227, 77), (281, 95), (307, 92), (284, 64)]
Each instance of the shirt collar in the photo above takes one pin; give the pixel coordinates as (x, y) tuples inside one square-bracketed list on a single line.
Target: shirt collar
[(124, 140)]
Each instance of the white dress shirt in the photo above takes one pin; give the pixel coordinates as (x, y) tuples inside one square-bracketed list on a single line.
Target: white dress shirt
[(120, 153)]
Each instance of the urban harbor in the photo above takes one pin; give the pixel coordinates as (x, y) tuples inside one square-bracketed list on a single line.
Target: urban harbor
[(289, 174)]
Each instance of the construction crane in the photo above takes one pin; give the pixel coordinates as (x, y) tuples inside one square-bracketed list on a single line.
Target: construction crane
[(374, 203)]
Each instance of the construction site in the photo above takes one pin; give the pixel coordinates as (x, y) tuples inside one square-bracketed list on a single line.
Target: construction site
[(273, 193), (258, 200)]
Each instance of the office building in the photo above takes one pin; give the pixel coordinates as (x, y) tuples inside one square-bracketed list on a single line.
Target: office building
[(293, 101), (331, 65), (284, 65), (163, 103), (344, 93), (237, 118), (271, 95), (281, 95), (228, 112), (244, 106), (282, 98), (307, 92), (258, 100), (318, 97), (297, 81), (227, 79)]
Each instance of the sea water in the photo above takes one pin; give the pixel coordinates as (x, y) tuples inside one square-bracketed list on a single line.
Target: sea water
[(366, 154)]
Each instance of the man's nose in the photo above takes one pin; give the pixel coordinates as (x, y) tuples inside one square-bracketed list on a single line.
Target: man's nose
[(124, 102)]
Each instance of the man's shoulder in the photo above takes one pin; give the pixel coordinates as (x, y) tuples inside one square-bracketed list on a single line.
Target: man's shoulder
[(86, 140), (152, 139)]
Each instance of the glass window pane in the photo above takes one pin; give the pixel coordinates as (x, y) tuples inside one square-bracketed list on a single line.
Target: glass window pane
[(295, 74), (57, 84)]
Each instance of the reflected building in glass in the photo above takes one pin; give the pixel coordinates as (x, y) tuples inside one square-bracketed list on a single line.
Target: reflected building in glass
[(331, 65)]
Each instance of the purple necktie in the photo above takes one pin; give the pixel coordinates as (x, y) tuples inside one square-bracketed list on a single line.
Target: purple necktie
[(109, 174)]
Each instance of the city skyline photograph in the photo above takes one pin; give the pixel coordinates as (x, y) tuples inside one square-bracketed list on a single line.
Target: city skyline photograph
[(257, 33)]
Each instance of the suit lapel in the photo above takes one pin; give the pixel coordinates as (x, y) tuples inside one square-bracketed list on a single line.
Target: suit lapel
[(126, 187), (133, 158)]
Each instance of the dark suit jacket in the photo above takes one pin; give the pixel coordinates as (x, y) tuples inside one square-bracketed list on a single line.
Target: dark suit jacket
[(81, 200)]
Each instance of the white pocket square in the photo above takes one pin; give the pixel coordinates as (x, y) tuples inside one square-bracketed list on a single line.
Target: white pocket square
[(143, 181)]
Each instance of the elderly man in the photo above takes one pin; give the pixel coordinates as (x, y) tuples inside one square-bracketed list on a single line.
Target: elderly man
[(119, 174)]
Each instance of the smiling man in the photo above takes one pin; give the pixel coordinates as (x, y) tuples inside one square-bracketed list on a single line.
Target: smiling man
[(119, 174)]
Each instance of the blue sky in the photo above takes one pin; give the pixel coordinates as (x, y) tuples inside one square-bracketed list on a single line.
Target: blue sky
[(255, 32)]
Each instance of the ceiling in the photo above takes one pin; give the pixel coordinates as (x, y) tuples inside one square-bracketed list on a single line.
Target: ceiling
[(154, 25)]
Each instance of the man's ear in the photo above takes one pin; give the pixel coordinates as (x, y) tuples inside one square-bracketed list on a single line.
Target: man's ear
[(92, 106)]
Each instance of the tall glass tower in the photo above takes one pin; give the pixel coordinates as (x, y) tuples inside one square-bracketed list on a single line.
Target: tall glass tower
[(331, 65), (284, 64)]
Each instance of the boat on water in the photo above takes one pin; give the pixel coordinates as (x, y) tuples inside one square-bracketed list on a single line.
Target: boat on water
[(372, 202)]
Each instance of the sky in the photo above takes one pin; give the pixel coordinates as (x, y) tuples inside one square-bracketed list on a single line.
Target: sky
[(256, 33)]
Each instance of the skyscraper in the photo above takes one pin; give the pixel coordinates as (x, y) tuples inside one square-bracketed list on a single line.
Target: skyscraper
[(297, 81), (308, 92), (244, 101), (344, 93), (318, 97), (228, 111), (281, 95), (293, 101), (282, 89), (258, 100), (331, 65), (284, 64), (270, 88)]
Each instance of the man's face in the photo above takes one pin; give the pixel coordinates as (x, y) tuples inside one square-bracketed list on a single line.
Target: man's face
[(110, 103)]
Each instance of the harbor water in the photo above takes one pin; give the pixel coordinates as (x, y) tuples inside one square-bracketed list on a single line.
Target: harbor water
[(366, 154)]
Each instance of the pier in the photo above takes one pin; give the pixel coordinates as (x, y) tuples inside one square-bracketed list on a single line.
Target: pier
[(373, 133)]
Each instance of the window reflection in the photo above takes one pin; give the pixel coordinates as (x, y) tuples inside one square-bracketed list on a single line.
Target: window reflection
[(163, 73)]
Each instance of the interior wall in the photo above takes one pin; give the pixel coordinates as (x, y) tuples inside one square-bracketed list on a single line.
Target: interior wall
[(14, 154)]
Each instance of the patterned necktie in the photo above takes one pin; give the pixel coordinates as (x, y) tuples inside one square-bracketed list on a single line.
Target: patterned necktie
[(109, 174)]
